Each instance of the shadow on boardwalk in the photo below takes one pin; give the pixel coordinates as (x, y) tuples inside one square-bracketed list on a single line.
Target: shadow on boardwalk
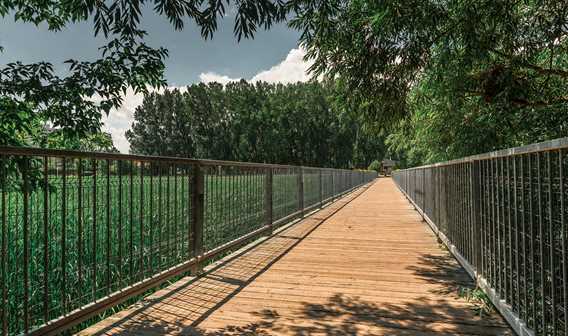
[(352, 315), (400, 285), (180, 307)]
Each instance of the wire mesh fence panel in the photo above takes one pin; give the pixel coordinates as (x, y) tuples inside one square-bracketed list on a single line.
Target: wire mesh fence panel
[(285, 200), (234, 203), (82, 232), (505, 212), (312, 187)]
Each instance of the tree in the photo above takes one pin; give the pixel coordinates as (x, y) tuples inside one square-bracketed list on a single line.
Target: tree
[(446, 127), (33, 94), (160, 126), (510, 53), (466, 76), (289, 124), (95, 142), (375, 165)]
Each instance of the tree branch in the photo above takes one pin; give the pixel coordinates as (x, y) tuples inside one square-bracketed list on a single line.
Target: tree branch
[(539, 69)]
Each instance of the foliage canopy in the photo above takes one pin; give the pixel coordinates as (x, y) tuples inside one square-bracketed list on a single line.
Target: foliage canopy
[(34, 94), (464, 75), (510, 53), (298, 123)]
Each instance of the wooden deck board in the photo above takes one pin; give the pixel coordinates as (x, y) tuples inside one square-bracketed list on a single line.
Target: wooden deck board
[(366, 265)]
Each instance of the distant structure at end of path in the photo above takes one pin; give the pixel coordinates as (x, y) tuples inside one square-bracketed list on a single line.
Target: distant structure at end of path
[(387, 166)]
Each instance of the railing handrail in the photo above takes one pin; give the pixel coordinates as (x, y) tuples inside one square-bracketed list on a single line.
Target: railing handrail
[(550, 145), (70, 153), (503, 215)]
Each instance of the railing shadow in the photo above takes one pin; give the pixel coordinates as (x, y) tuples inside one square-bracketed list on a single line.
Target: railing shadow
[(426, 307), (182, 306)]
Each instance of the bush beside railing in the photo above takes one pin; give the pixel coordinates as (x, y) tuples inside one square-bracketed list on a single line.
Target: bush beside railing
[(82, 232), (503, 214)]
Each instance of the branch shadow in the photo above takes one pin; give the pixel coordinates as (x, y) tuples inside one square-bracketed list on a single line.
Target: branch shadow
[(431, 306), (444, 271), (436, 311)]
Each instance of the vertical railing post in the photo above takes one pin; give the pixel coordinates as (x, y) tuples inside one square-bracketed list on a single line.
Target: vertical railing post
[(423, 198), (268, 199), (301, 191), (198, 210), (26, 218), (3, 248), (320, 189), (332, 186), (475, 180), (563, 245)]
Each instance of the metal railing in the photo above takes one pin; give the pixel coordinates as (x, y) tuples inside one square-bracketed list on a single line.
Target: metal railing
[(82, 232), (503, 215)]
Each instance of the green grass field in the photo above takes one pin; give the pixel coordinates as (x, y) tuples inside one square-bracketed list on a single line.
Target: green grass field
[(99, 233)]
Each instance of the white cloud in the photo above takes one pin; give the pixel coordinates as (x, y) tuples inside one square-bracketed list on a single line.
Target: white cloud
[(120, 120), (291, 70), (209, 77)]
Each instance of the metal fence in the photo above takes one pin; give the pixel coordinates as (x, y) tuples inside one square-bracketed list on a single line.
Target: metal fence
[(82, 232), (503, 214)]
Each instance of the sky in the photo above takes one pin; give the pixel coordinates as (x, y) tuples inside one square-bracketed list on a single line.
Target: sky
[(272, 56)]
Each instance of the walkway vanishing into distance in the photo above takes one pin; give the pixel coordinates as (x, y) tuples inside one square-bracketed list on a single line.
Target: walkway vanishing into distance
[(365, 265)]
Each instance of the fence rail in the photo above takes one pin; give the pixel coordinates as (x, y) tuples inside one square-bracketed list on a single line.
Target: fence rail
[(503, 215), (82, 232)]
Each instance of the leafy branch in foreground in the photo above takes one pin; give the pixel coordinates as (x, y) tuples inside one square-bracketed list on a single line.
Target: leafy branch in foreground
[(34, 96), (507, 54)]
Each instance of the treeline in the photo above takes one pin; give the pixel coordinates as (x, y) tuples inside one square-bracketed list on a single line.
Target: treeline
[(301, 124), (442, 128), (453, 78)]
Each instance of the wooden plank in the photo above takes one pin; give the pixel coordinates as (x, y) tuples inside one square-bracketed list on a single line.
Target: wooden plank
[(365, 265)]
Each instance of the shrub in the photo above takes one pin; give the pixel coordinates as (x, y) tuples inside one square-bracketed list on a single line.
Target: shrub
[(375, 165)]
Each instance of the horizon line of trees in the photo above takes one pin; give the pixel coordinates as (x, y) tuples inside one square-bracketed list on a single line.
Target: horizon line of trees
[(299, 124)]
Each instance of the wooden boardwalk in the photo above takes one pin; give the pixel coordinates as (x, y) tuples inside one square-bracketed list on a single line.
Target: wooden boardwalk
[(365, 265)]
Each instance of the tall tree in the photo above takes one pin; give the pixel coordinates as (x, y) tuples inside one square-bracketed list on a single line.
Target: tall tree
[(161, 126), (289, 124), (468, 76), (503, 53)]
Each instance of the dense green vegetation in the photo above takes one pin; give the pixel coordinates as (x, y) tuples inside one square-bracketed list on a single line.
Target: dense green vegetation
[(125, 224), (301, 124), (452, 78), (446, 78), (375, 165)]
